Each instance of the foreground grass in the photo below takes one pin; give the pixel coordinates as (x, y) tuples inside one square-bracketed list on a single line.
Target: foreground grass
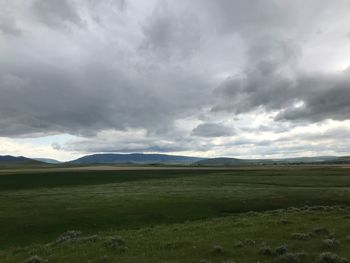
[(241, 238), (169, 215)]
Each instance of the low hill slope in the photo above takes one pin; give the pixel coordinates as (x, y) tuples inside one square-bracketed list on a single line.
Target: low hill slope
[(135, 158), (8, 160)]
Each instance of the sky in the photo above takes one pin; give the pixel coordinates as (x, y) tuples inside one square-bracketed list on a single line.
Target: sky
[(242, 78)]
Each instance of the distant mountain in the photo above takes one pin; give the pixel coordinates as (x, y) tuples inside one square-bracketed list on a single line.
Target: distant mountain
[(47, 160), (339, 160), (225, 161), (8, 160), (135, 158)]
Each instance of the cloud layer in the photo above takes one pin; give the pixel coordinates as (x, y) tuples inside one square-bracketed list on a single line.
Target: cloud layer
[(201, 77)]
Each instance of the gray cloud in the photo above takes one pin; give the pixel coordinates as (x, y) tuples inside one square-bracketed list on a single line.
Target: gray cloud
[(211, 130), (8, 25), (162, 67), (56, 12), (272, 83), (170, 34)]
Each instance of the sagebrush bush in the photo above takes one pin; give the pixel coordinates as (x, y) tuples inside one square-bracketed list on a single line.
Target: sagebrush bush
[(239, 243), (293, 209), (266, 251), (331, 243), (249, 242), (321, 231), (35, 259), (289, 258), (116, 243), (88, 239), (280, 250), (68, 236), (301, 236), (217, 250), (329, 257)]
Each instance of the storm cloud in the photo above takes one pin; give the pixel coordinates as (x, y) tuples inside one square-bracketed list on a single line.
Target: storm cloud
[(163, 76)]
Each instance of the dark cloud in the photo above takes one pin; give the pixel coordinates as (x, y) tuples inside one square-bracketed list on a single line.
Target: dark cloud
[(8, 25), (56, 12), (271, 83), (85, 99), (211, 130), (170, 34), (323, 96), (251, 16)]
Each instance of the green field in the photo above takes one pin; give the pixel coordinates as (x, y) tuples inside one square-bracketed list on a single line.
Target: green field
[(174, 215)]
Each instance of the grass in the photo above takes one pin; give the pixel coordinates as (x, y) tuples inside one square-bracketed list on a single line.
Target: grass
[(173, 215)]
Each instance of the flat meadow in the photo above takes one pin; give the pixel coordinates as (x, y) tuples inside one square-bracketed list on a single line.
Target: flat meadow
[(175, 214)]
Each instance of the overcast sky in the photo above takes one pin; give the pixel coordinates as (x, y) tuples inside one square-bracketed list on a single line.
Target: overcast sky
[(239, 78)]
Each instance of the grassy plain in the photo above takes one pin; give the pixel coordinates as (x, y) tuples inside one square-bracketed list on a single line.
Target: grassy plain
[(172, 215)]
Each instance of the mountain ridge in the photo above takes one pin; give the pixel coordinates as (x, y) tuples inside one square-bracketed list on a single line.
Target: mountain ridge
[(135, 158), (166, 159)]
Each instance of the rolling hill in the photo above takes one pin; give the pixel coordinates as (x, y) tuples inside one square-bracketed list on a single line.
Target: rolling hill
[(135, 158), (8, 160)]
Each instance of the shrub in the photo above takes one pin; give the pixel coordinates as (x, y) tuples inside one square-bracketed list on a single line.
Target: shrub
[(88, 239), (239, 243), (321, 231), (68, 236), (289, 258), (116, 243), (217, 250), (249, 242), (301, 236), (266, 251), (328, 257), (293, 209), (35, 259), (331, 243), (281, 250)]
